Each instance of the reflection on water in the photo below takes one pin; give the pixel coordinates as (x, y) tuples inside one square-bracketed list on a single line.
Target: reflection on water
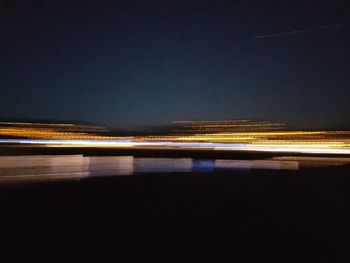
[(310, 161), (162, 165), (203, 165), (43, 168), (110, 165), (64, 167), (257, 164)]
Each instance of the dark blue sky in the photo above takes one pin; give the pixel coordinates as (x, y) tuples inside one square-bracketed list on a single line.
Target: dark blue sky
[(126, 63)]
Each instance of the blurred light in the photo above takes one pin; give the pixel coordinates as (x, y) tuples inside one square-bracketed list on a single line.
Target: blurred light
[(236, 135)]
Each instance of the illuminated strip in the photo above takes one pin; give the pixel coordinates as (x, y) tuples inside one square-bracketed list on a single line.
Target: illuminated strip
[(301, 148)]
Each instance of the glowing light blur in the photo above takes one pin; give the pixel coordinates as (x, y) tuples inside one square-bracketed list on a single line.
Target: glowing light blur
[(241, 135), (45, 168)]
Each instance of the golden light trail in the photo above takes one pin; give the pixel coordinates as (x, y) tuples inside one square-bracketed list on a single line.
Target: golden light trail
[(224, 135)]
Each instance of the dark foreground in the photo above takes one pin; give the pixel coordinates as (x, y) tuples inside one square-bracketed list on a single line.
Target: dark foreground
[(238, 216)]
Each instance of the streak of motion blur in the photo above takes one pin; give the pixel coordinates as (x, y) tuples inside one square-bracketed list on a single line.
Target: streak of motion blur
[(26, 149), (234, 136), (43, 168)]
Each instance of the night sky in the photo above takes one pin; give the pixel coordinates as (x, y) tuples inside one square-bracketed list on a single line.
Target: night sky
[(127, 63)]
